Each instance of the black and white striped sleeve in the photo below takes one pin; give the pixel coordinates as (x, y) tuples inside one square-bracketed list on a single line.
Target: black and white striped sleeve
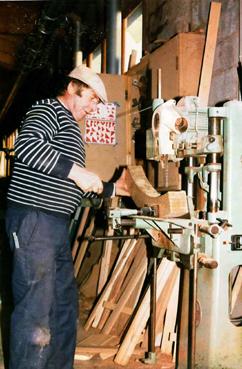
[(33, 145)]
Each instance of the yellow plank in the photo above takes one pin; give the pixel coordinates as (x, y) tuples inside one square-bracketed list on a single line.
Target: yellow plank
[(209, 52)]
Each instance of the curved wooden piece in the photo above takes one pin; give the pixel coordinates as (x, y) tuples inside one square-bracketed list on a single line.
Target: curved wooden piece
[(171, 204)]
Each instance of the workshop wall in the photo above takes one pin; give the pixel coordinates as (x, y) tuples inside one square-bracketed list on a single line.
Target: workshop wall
[(163, 19)]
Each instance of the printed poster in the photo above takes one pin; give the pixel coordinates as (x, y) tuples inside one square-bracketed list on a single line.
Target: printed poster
[(100, 127)]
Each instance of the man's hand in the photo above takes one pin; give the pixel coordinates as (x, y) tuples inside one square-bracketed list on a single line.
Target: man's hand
[(87, 181), (122, 185)]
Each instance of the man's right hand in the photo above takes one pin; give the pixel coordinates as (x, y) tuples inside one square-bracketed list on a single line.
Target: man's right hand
[(87, 181)]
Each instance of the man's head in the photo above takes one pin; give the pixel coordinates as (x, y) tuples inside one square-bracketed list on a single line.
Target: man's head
[(84, 89), (90, 78)]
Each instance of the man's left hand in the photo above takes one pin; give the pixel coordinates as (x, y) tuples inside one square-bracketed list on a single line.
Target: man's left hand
[(122, 185)]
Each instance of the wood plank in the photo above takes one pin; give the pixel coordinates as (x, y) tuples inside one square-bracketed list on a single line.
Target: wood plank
[(80, 231), (98, 309), (209, 52), (123, 44), (180, 60), (112, 306), (183, 321), (123, 320), (104, 56), (129, 87), (136, 276), (120, 284), (111, 351), (132, 59), (161, 307), (190, 51), (164, 299), (169, 334), (83, 247), (94, 350), (139, 321), (99, 339), (105, 261), (134, 298)]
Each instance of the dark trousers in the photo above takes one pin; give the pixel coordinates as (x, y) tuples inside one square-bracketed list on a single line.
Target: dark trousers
[(43, 324)]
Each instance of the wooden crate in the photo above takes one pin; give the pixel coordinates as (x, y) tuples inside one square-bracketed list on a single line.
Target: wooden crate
[(180, 60)]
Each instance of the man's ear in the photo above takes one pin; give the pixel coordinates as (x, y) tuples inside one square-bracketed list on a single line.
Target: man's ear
[(71, 88)]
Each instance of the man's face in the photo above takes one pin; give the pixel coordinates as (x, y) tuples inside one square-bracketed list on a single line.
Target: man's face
[(84, 102)]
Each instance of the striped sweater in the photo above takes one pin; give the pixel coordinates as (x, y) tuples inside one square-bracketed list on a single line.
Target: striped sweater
[(48, 144)]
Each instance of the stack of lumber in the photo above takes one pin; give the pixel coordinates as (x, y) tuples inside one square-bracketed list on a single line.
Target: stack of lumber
[(118, 322)]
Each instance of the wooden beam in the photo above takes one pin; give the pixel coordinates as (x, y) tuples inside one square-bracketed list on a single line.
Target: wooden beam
[(209, 52)]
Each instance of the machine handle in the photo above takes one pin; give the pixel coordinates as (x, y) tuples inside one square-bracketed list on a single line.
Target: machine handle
[(207, 261)]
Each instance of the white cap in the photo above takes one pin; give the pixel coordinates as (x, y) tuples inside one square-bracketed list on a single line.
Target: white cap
[(92, 79)]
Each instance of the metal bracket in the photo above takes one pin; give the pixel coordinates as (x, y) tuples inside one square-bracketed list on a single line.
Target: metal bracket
[(236, 242)]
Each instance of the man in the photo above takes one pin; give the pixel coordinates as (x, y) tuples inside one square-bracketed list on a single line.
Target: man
[(49, 179)]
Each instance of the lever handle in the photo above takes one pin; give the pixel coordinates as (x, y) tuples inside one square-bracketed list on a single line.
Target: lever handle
[(207, 261)]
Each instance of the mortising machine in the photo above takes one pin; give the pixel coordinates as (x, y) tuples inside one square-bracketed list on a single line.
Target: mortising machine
[(207, 142)]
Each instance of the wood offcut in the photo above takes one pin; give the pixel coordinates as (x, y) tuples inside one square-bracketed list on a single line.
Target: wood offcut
[(171, 204)]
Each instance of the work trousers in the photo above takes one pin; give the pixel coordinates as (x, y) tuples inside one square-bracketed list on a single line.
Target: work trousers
[(44, 320)]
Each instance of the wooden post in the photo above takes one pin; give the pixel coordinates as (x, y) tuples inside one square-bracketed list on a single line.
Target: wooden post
[(209, 52)]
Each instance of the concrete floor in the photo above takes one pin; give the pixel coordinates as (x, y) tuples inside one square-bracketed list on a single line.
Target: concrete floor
[(95, 362), (162, 362)]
